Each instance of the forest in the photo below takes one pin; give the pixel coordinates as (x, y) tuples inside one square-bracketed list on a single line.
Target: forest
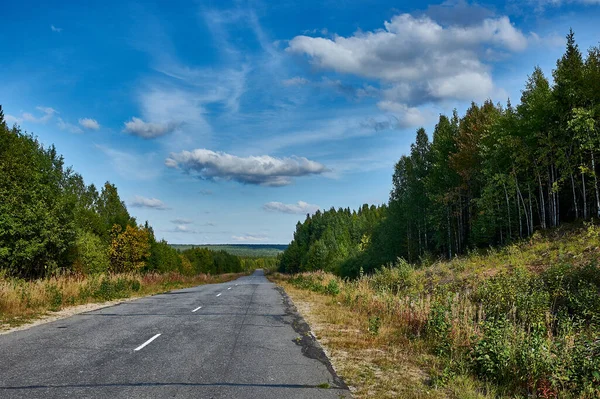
[(489, 177), (52, 223)]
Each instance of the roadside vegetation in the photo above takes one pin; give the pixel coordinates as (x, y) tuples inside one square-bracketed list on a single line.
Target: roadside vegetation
[(63, 242), (522, 321), (416, 284)]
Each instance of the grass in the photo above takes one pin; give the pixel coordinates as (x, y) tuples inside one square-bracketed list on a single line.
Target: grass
[(516, 322), (22, 301)]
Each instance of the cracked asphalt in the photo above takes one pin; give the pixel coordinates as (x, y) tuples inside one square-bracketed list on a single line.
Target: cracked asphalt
[(247, 342)]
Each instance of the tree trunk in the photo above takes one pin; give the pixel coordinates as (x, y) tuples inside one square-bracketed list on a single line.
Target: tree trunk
[(575, 198), (530, 210), (508, 211), (543, 204), (585, 212), (523, 203), (449, 235), (596, 185)]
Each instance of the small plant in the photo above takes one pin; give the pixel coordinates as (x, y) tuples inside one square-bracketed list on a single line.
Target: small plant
[(333, 287), (374, 325), (55, 297)]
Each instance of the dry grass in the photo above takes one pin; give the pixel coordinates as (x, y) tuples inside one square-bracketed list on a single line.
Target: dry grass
[(374, 327), (22, 301), (382, 365)]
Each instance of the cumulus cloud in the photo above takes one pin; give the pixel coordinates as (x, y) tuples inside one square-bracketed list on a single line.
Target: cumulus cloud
[(262, 170), (416, 58), (149, 130), (55, 29), (299, 208), (152, 203), (250, 238), (90, 124)]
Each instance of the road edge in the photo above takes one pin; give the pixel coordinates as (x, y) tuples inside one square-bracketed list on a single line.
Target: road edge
[(311, 347)]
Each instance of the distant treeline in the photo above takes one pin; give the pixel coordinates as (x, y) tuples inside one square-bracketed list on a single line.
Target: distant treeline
[(494, 175), (245, 250), (52, 222)]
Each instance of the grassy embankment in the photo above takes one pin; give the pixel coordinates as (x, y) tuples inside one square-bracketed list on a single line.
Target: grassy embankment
[(522, 321), (22, 301)]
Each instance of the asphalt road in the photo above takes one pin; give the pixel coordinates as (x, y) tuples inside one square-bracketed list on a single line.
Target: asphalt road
[(233, 340)]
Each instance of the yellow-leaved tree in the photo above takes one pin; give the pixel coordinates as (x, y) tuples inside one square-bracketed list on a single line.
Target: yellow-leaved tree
[(129, 249)]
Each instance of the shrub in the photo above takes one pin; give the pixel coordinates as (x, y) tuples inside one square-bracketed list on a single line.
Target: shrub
[(333, 287)]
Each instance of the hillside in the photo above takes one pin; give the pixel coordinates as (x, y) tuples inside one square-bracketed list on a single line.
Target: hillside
[(516, 322)]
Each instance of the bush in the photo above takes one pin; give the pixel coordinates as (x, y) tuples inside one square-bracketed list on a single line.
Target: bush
[(333, 288), (393, 278)]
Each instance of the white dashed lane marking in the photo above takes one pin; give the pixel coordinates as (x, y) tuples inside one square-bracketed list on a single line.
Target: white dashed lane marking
[(198, 308), (147, 342)]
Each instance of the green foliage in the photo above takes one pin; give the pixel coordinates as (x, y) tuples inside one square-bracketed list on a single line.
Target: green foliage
[(242, 250), (374, 325), (164, 258), (36, 224), (204, 260), (91, 254)]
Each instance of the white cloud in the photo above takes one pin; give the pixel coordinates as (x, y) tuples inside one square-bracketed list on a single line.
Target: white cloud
[(183, 229), (181, 221), (250, 238), (132, 166), (418, 59), (148, 130), (143, 202), (11, 120), (406, 116), (295, 81), (55, 29), (90, 124), (541, 4), (47, 111), (62, 125), (299, 208), (262, 170)]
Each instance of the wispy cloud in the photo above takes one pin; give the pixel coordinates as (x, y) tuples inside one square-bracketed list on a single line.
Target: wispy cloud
[(263, 170), (152, 203), (90, 124), (299, 208), (181, 221), (62, 125), (250, 238), (131, 166), (47, 112), (55, 29)]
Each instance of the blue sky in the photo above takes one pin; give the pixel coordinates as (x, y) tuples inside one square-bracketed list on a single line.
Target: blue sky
[(228, 121)]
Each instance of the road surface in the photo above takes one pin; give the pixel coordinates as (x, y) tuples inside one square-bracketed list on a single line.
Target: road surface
[(240, 339)]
